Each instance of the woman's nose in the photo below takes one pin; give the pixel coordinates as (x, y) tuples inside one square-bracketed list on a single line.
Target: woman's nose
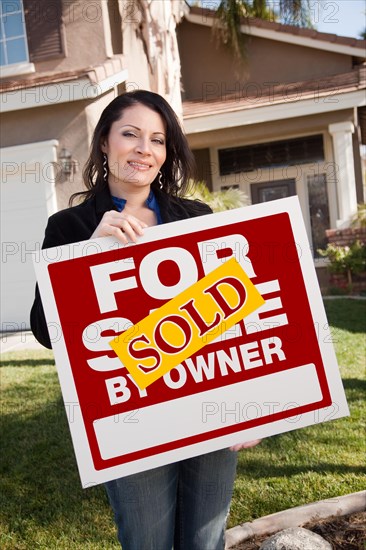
[(143, 146)]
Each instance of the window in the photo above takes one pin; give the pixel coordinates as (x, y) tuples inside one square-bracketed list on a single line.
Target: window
[(319, 211), (115, 22), (13, 37), (288, 152), (44, 29), (30, 31), (272, 190)]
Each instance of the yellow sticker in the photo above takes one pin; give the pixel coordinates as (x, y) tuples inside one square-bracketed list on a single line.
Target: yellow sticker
[(185, 324)]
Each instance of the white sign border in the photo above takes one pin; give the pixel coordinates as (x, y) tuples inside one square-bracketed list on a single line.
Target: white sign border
[(88, 474)]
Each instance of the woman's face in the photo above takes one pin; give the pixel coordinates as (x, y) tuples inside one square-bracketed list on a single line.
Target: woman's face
[(135, 148)]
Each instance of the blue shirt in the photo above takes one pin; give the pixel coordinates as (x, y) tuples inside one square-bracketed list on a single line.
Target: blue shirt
[(151, 203)]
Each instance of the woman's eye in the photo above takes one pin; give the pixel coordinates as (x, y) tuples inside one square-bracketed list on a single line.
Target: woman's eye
[(130, 134)]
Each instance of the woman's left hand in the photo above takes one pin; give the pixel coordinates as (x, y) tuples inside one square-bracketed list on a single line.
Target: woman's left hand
[(246, 445)]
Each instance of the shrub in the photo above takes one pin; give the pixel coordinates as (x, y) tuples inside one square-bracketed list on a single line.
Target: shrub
[(218, 200), (348, 260), (359, 219)]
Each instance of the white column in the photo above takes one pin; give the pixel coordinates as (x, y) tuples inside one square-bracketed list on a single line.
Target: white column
[(344, 171)]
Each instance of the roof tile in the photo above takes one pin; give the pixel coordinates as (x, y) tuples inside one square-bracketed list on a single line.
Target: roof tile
[(295, 91), (290, 29), (95, 74)]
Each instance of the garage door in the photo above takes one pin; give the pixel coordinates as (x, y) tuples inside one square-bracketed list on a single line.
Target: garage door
[(28, 198)]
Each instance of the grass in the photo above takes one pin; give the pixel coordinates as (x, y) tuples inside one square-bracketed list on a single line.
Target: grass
[(42, 503), (44, 507), (319, 462)]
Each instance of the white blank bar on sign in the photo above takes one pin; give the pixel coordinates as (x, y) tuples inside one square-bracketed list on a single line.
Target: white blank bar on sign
[(196, 414)]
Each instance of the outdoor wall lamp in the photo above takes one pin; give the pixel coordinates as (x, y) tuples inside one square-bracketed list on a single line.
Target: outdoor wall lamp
[(66, 162)]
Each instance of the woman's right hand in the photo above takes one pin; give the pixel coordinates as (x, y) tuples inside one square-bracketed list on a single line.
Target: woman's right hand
[(122, 226)]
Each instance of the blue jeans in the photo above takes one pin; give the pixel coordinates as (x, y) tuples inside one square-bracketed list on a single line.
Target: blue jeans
[(184, 504)]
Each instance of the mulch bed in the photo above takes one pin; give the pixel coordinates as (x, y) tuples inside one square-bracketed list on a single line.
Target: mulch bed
[(343, 533)]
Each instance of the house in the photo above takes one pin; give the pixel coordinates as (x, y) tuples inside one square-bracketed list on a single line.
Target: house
[(290, 120), (62, 62)]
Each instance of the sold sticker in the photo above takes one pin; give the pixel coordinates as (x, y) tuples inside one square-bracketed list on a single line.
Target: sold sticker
[(185, 324)]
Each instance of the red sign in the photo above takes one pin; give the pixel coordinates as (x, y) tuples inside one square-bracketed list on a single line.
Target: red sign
[(252, 380)]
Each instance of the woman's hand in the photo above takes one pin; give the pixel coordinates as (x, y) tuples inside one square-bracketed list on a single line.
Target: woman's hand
[(246, 445), (122, 226)]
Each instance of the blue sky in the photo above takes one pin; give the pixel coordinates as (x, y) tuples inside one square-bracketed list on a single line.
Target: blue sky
[(343, 17)]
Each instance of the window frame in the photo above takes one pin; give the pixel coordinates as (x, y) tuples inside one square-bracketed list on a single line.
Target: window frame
[(255, 188), (250, 150), (20, 67)]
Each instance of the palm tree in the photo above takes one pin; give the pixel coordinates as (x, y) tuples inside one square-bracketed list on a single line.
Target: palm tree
[(231, 14), (217, 200)]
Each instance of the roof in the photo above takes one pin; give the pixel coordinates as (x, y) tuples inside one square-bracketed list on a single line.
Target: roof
[(94, 74), (204, 15), (297, 99), (311, 89), (40, 90)]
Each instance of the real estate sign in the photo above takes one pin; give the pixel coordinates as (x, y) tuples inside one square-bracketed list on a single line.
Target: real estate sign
[(207, 333)]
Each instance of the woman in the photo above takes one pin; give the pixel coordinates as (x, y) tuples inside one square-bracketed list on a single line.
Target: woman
[(136, 176)]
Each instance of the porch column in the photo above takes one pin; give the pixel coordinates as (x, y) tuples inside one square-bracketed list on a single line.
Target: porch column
[(344, 171)]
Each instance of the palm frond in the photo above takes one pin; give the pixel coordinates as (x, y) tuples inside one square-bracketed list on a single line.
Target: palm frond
[(218, 200), (232, 13), (296, 12), (263, 10), (226, 28)]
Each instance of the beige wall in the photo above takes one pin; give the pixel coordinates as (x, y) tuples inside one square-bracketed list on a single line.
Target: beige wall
[(209, 72), (83, 32), (255, 133), (135, 61), (65, 122), (72, 124)]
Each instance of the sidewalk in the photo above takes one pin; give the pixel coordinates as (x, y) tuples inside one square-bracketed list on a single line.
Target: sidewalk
[(17, 341)]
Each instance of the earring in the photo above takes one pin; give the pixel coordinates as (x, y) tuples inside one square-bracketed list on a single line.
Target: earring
[(160, 180), (105, 167)]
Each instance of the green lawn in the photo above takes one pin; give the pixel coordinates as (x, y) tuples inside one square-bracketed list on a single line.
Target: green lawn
[(44, 507)]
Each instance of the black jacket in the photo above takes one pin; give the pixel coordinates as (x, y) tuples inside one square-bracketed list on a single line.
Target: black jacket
[(78, 224)]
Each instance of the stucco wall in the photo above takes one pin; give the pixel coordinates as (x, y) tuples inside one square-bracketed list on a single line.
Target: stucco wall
[(135, 60), (81, 20), (72, 124), (269, 61), (269, 131), (41, 123)]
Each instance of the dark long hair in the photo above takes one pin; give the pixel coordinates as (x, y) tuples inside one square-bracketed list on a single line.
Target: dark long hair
[(179, 164)]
